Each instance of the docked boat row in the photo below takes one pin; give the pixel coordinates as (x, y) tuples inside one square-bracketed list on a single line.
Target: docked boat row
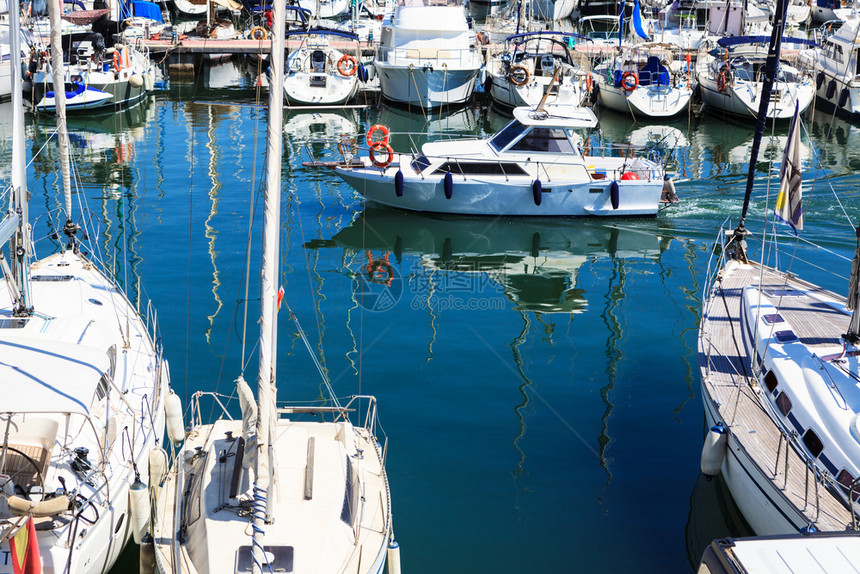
[(431, 55)]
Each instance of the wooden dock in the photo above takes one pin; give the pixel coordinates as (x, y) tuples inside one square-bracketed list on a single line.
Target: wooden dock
[(802, 496), (193, 45)]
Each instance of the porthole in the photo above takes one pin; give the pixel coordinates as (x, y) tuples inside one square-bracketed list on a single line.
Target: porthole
[(96, 302), (845, 479), (119, 523), (813, 443), (770, 381), (783, 403)]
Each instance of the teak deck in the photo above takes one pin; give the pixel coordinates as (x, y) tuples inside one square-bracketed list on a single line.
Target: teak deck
[(720, 347)]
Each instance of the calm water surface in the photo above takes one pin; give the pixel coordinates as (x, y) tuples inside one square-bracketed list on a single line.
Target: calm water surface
[(537, 379)]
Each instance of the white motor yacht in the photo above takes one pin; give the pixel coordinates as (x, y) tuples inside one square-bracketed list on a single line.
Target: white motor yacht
[(835, 67), (428, 55), (533, 166)]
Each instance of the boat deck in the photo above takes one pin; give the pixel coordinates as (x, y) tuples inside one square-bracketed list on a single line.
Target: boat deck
[(735, 397)]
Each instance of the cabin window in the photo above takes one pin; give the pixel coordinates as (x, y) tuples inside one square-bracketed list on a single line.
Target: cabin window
[(508, 134), (770, 381), (845, 479), (102, 388), (545, 140), (783, 403), (480, 168), (813, 443), (420, 163)]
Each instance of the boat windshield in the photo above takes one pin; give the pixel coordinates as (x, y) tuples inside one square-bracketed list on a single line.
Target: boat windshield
[(546, 140), (508, 134)]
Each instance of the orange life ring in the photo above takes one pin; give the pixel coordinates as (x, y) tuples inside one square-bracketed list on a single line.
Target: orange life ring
[(589, 82), (384, 148), (379, 270), (518, 75), (258, 33), (385, 133), (117, 61), (346, 66), (625, 81), (724, 78)]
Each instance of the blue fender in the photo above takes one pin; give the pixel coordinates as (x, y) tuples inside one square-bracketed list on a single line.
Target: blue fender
[(398, 183), (614, 196), (449, 185), (537, 191)]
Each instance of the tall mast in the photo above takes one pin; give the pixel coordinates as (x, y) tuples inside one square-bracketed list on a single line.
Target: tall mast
[(15, 227), (59, 85), (266, 388), (770, 69)]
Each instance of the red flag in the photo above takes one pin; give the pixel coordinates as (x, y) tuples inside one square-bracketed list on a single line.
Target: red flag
[(25, 550), (280, 297)]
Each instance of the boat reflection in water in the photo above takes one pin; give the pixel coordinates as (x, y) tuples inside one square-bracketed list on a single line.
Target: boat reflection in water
[(533, 262)]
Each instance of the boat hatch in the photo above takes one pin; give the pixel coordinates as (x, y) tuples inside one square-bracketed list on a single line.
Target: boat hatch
[(780, 292), (280, 559), (47, 278), (480, 168), (9, 321), (785, 336), (545, 140), (772, 318)]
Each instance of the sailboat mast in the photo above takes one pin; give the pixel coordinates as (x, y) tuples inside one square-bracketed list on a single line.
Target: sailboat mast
[(266, 389), (770, 68), (15, 227), (59, 85)]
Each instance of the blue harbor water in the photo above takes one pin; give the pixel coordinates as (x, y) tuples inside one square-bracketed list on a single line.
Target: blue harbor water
[(537, 378)]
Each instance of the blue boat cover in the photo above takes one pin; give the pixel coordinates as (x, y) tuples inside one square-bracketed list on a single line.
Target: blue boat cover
[(737, 40), (147, 10)]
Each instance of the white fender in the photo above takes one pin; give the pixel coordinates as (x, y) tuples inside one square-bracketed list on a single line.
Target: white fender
[(157, 466), (138, 503), (136, 80), (393, 557), (714, 450), (173, 413)]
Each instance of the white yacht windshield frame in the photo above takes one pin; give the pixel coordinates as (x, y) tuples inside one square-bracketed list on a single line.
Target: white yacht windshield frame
[(518, 138)]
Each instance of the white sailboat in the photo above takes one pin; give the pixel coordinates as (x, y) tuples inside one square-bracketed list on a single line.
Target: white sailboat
[(83, 385), (779, 366), (268, 492)]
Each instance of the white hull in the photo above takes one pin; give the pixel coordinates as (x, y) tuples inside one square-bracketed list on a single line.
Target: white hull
[(426, 87), (312, 525), (552, 10), (650, 101), (494, 197), (299, 88), (763, 506), (571, 92), (744, 100), (80, 317), (325, 8), (187, 8)]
